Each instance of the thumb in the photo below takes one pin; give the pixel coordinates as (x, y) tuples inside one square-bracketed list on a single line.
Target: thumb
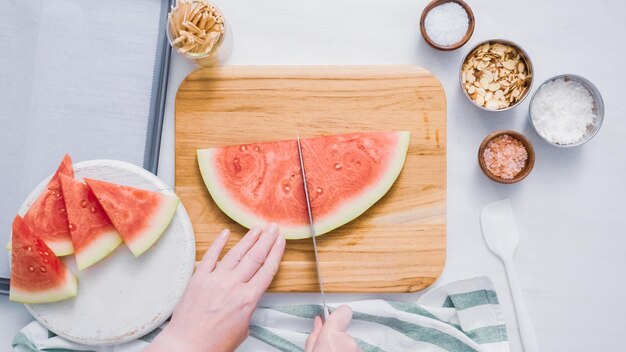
[(339, 320), (317, 328)]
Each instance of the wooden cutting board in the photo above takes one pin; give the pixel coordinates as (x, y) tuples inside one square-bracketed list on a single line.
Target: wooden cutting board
[(398, 245)]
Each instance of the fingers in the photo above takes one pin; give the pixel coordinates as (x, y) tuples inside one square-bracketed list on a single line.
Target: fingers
[(264, 276), (317, 328), (339, 319), (236, 254), (254, 259), (209, 260)]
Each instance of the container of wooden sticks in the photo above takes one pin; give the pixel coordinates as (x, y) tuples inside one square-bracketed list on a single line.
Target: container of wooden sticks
[(197, 29)]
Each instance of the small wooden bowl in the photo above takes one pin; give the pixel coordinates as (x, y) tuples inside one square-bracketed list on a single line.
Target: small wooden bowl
[(530, 162), (466, 37)]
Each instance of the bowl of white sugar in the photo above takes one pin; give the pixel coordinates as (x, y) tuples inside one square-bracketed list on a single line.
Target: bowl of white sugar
[(447, 24), (567, 110)]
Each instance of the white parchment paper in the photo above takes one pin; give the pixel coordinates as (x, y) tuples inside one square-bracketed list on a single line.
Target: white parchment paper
[(76, 77)]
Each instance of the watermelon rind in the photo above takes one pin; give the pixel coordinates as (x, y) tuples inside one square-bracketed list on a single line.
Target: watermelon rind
[(67, 290), (61, 248), (98, 249), (348, 211), (157, 225)]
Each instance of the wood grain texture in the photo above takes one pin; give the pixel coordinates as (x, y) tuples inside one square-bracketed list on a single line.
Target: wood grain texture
[(398, 245)]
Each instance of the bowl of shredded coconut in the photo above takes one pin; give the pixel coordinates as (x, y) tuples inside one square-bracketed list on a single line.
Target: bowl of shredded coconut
[(567, 110)]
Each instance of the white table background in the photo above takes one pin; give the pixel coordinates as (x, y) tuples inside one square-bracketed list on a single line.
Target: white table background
[(570, 210)]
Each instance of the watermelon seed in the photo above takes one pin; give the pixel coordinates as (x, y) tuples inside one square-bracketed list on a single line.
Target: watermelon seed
[(30, 249), (31, 269), (72, 227), (319, 190), (62, 210), (40, 252), (92, 209), (46, 254), (83, 203), (287, 188), (337, 166), (58, 195), (42, 269), (256, 148), (46, 261), (358, 164), (243, 148), (236, 164)]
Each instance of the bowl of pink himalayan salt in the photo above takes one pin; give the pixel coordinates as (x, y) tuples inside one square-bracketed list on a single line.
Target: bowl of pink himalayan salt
[(506, 156)]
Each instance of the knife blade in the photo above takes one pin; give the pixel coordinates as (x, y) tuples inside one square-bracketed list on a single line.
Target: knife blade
[(325, 311)]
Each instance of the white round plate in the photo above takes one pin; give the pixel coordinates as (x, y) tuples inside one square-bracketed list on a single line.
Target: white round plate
[(122, 298)]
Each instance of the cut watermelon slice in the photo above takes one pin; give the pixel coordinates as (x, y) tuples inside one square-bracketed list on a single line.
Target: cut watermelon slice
[(37, 275), (93, 234), (346, 174), (140, 216), (47, 216)]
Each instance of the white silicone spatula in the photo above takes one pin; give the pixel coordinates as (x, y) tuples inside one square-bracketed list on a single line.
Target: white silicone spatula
[(500, 232)]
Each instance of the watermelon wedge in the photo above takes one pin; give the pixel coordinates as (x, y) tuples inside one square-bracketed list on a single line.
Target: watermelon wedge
[(37, 275), (93, 234), (47, 216), (261, 182), (140, 216)]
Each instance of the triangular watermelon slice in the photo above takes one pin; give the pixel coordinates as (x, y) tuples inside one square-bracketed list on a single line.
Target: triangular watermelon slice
[(93, 234), (140, 216), (47, 216), (37, 275)]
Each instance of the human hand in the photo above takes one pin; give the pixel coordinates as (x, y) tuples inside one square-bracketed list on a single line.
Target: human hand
[(215, 310), (331, 336)]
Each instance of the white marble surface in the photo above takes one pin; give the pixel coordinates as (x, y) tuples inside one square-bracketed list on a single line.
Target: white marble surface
[(570, 210)]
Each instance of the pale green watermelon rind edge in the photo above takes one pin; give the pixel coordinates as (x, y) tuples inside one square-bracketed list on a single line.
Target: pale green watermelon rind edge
[(346, 213), (158, 224), (59, 248), (65, 291), (98, 249)]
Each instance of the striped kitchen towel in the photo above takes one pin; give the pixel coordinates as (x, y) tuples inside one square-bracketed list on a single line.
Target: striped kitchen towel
[(463, 316)]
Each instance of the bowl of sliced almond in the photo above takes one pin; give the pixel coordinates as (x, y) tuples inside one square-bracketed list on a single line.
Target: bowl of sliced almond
[(496, 75)]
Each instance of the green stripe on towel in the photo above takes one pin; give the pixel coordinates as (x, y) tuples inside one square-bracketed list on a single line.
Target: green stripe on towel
[(418, 332), (22, 340), (467, 300), (273, 340), (366, 347), (488, 334)]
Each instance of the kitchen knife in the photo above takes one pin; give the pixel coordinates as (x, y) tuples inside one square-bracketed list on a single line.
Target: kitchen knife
[(325, 312)]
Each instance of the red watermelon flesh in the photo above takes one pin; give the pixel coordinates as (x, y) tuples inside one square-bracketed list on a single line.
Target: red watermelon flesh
[(47, 216), (140, 216), (261, 182), (93, 234), (37, 275)]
